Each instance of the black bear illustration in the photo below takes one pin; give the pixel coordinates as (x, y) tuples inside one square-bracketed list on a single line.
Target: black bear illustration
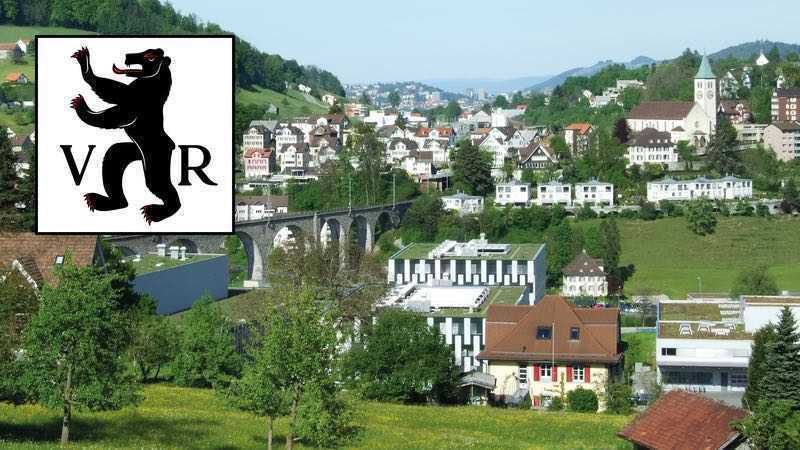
[(139, 111)]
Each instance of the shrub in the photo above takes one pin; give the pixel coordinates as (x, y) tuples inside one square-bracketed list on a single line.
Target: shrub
[(582, 400), (556, 404), (525, 403), (762, 210), (585, 212), (619, 398), (647, 211)]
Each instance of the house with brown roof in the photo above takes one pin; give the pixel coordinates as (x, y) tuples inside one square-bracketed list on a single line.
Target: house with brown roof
[(650, 146), (37, 256), (682, 420), (258, 162), (577, 136), (535, 156), (583, 277), (532, 349), (17, 78), (9, 49)]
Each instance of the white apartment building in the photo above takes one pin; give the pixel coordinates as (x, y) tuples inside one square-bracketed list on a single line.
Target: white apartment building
[(584, 277), (513, 193), (704, 344), (256, 137), (651, 146), (260, 207), (726, 188), (594, 193), (554, 193), (463, 203), (784, 139), (749, 134)]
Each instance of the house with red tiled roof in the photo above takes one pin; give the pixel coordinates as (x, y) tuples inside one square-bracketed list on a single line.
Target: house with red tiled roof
[(17, 78), (682, 420), (258, 162), (36, 256), (532, 349), (577, 136)]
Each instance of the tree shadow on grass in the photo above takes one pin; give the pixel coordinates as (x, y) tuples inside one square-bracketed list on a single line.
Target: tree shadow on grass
[(132, 429)]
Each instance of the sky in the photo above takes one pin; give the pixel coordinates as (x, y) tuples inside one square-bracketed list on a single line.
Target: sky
[(399, 40)]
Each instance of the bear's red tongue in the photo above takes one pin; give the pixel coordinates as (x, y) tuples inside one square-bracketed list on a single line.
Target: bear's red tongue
[(129, 72)]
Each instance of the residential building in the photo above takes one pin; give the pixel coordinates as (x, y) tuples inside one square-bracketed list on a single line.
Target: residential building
[(17, 78), (594, 193), (536, 156), (259, 163), (704, 342), (356, 110), (577, 136), (749, 134), (463, 203), (399, 148), (540, 349), (473, 263), (288, 134), (682, 419), (785, 104), (9, 49), (418, 164), (584, 277), (735, 111), (257, 136), (381, 118), (554, 193), (293, 158), (439, 150), (37, 256), (726, 188), (693, 122), (514, 193), (784, 139), (329, 99), (260, 207), (650, 146)]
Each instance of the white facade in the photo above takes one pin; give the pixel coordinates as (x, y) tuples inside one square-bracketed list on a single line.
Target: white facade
[(512, 193), (257, 163), (255, 138), (554, 193), (727, 188), (464, 204), (584, 286), (594, 193)]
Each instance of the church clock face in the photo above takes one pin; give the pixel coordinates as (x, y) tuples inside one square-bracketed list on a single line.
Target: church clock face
[(710, 94), (699, 95)]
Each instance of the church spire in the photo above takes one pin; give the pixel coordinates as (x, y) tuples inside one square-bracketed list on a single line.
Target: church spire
[(705, 71)]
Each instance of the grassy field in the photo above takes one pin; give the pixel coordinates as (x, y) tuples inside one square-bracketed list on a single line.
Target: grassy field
[(291, 104), (641, 348), (173, 418), (669, 258), (11, 33)]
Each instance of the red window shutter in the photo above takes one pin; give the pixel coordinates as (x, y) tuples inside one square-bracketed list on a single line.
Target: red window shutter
[(569, 374), (554, 376), (536, 402), (587, 377), (535, 372)]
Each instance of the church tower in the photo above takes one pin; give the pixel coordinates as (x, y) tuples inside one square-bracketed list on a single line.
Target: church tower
[(706, 91)]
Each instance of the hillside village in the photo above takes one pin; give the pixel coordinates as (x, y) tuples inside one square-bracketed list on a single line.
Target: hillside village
[(614, 257)]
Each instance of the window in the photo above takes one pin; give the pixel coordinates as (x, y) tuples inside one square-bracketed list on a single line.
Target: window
[(523, 374), (544, 332), (574, 333), (456, 328), (59, 259), (665, 351), (546, 370), (578, 374)]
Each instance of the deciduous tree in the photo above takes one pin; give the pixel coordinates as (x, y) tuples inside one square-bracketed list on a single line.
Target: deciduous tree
[(700, 216), (754, 281)]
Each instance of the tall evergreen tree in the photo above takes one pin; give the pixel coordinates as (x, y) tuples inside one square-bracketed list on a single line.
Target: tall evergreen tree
[(758, 369), (783, 362), (791, 198), (472, 169), (722, 147), (613, 246), (10, 194)]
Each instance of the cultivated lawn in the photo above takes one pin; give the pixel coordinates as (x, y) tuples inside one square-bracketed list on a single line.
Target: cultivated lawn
[(181, 418), (292, 104), (12, 33), (669, 258)]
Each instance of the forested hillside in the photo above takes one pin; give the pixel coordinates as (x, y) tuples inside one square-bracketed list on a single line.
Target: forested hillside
[(253, 67)]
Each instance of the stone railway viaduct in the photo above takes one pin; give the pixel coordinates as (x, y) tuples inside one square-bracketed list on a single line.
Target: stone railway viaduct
[(259, 236)]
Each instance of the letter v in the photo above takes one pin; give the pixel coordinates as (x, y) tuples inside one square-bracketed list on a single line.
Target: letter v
[(73, 168)]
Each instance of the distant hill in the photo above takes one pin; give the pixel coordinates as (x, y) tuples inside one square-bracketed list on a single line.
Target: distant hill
[(748, 49), (552, 82), (460, 85)]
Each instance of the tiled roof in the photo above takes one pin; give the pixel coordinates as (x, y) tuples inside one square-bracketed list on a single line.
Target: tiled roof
[(788, 92), (584, 265), (787, 126), (661, 110), (13, 76), (275, 201), (532, 149), (680, 420), (511, 332), (258, 153), (580, 128), (650, 137), (410, 144), (40, 251)]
